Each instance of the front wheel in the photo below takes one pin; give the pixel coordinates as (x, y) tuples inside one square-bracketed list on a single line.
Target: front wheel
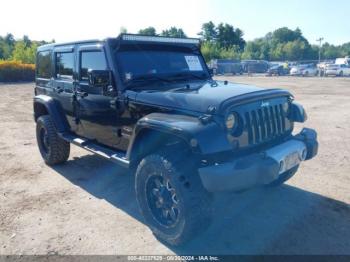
[(53, 149), (171, 198)]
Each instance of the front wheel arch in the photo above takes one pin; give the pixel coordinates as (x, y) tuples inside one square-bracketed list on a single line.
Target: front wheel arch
[(149, 140)]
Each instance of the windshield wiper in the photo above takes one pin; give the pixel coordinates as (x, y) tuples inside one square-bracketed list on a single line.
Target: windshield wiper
[(189, 76), (145, 78)]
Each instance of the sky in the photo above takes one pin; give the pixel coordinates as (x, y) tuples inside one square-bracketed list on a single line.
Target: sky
[(69, 20)]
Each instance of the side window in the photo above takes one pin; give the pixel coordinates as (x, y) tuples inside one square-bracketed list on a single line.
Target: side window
[(64, 65), (94, 60), (43, 64)]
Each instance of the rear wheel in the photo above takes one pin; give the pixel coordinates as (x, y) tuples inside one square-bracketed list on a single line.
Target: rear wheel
[(284, 177), (171, 197), (53, 149)]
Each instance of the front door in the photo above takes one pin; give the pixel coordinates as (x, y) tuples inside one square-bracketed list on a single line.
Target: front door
[(97, 118)]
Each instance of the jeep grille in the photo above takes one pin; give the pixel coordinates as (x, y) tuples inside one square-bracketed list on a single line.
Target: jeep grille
[(265, 124)]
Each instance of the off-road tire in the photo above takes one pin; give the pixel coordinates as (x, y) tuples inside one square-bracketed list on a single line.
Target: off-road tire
[(194, 201), (57, 150), (284, 177)]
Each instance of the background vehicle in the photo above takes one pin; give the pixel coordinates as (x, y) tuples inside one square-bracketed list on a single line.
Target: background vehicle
[(337, 70), (322, 66), (226, 66), (343, 61), (277, 69), (150, 105), (255, 66), (304, 70)]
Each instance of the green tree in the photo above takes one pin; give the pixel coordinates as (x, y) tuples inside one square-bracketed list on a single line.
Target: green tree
[(331, 52), (6, 46), (212, 50), (148, 31), (227, 36), (208, 32), (174, 32), (24, 54), (284, 35), (294, 50), (5, 50), (345, 49), (27, 41), (257, 49), (10, 40), (123, 30)]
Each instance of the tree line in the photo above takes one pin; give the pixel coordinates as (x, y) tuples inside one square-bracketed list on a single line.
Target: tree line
[(283, 44), (22, 50), (218, 41)]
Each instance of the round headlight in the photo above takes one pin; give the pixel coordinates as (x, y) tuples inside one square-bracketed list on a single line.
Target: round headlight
[(230, 121), (285, 107)]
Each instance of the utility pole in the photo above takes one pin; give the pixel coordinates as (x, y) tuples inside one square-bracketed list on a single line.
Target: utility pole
[(319, 52)]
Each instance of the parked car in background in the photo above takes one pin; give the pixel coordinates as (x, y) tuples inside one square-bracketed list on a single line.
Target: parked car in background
[(322, 66), (226, 66), (277, 69), (337, 70), (342, 61), (304, 70), (255, 66)]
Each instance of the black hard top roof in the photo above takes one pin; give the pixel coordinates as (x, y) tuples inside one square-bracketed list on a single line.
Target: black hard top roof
[(128, 38)]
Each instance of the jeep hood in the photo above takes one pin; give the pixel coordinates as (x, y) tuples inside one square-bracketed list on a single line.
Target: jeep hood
[(201, 96)]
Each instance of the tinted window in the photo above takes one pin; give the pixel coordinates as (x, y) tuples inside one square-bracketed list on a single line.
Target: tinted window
[(43, 64), (64, 65), (153, 62), (94, 60)]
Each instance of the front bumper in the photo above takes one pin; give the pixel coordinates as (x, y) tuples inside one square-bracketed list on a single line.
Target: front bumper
[(260, 168)]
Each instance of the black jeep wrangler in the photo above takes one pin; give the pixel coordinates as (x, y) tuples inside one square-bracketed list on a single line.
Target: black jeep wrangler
[(150, 104)]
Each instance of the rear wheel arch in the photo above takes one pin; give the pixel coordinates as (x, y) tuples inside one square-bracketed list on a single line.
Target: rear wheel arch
[(45, 105)]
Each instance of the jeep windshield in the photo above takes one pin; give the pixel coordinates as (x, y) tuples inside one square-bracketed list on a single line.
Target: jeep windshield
[(149, 67)]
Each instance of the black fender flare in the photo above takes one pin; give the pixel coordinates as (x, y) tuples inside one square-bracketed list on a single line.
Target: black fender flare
[(54, 109), (202, 138)]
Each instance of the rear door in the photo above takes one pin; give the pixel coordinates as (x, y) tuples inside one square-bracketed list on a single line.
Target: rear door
[(44, 73), (63, 81)]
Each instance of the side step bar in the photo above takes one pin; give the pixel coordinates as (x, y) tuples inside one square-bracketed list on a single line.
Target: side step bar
[(118, 157)]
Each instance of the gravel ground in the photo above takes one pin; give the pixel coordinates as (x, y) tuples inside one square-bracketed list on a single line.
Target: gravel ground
[(87, 206)]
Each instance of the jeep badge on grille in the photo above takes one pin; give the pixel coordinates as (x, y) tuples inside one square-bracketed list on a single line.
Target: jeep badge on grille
[(265, 104)]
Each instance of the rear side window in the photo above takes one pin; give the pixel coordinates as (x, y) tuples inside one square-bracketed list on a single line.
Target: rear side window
[(64, 65), (43, 65), (94, 60)]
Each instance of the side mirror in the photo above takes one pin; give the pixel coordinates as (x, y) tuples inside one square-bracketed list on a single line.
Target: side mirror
[(99, 78)]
